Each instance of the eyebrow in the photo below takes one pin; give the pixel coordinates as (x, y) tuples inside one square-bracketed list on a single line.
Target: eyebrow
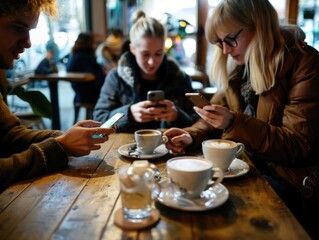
[(228, 35), (23, 24)]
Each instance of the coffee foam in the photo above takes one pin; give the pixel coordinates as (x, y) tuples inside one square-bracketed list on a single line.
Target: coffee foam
[(148, 133), (219, 144), (189, 165)]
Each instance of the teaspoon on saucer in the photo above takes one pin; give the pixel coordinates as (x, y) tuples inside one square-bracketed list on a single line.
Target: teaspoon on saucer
[(197, 202)]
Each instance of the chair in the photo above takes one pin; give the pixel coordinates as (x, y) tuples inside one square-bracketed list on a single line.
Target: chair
[(22, 111), (30, 120), (89, 107)]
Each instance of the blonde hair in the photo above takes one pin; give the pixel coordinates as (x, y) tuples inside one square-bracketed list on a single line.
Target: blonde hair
[(146, 27), (14, 7), (137, 15), (265, 53)]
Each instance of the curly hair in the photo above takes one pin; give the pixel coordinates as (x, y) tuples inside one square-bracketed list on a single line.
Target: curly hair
[(13, 7)]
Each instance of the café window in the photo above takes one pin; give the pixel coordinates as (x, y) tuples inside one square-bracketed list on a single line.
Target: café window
[(59, 34), (178, 16), (308, 20), (180, 19)]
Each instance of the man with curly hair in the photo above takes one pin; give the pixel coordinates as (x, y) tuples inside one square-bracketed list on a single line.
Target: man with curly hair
[(26, 153)]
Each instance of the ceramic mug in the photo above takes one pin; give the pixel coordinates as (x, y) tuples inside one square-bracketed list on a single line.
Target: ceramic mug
[(191, 175), (149, 139), (221, 152)]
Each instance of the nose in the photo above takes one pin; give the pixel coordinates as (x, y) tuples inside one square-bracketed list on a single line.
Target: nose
[(26, 41), (150, 61), (226, 49)]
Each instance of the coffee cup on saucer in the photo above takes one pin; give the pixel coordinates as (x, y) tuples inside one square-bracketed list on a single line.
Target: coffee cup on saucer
[(221, 152), (191, 175), (149, 139)]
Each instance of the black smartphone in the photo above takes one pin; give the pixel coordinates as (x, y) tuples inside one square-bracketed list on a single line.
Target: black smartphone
[(110, 123), (197, 99), (156, 96)]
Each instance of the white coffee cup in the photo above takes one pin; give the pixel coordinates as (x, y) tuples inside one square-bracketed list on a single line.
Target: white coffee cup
[(149, 139), (191, 175), (221, 152)]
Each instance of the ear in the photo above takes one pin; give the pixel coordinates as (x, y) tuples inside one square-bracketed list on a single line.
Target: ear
[(132, 49)]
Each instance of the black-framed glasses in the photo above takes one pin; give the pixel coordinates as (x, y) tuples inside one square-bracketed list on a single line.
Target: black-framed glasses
[(230, 41)]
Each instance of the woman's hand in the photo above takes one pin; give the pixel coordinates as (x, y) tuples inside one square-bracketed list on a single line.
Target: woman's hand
[(217, 116), (145, 111), (141, 113), (78, 140), (178, 139)]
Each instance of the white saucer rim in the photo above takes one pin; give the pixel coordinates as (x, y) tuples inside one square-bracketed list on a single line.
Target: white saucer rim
[(222, 200), (124, 147), (245, 169)]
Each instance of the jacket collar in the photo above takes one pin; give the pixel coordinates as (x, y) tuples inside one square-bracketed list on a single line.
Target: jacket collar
[(129, 71)]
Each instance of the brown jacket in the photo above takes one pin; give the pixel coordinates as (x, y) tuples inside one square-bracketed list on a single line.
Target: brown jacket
[(285, 132), (26, 153)]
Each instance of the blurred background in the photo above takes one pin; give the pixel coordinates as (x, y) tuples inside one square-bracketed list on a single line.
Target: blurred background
[(184, 19)]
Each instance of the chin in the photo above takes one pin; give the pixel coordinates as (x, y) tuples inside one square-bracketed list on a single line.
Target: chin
[(240, 62), (6, 65)]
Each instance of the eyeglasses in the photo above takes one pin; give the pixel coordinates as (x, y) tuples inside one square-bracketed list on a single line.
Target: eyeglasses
[(230, 41)]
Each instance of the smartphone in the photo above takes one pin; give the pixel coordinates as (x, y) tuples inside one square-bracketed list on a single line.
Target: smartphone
[(198, 99), (156, 96), (110, 123)]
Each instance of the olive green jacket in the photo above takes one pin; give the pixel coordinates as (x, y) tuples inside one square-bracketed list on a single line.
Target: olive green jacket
[(285, 132), (26, 153)]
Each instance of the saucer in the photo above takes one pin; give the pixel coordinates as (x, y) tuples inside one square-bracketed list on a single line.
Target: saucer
[(218, 195), (124, 150), (236, 169)]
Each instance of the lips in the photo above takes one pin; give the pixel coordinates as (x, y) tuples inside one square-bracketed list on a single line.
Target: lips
[(235, 57), (16, 54)]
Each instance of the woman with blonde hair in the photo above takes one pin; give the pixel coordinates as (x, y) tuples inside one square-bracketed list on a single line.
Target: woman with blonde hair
[(143, 68), (268, 99)]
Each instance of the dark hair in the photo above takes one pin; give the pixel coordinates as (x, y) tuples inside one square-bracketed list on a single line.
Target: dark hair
[(84, 41)]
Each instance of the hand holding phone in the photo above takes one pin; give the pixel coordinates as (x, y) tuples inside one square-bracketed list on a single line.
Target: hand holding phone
[(198, 99), (156, 96), (110, 123)]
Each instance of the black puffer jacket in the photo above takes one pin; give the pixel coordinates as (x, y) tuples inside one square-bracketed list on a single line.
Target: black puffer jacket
[(122, 88)]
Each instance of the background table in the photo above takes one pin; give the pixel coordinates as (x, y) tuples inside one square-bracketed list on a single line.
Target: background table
[(53, 79), (80, 202)]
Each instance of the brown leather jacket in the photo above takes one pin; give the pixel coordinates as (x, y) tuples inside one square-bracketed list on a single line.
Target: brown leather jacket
[(285, 131), (26, 153)]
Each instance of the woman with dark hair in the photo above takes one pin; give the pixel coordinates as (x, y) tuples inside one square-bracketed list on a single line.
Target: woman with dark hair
[(83, 59)]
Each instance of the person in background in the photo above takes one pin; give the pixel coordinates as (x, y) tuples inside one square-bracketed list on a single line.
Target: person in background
[(268, 96), (27, 153), (47, 65), (145, 67), (82, 59), (109, 51)]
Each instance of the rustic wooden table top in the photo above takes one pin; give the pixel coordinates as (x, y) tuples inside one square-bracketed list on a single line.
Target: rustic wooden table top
[(65, 76), (80, 202)]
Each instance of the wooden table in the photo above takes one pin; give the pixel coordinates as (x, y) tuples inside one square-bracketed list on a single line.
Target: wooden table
[(53, 79), (80, 202)]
